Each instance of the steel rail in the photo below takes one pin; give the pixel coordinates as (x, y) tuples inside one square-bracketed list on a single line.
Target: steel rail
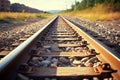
[(9, 60), (106, 53)]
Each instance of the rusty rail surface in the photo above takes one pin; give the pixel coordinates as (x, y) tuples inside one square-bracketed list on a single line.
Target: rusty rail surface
[(107, 54)]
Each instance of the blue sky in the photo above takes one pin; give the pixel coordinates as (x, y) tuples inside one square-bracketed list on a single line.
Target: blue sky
[(47, 4)]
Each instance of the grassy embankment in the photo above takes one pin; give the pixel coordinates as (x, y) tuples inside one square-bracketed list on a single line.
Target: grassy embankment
[(10, 16), (99, 12)]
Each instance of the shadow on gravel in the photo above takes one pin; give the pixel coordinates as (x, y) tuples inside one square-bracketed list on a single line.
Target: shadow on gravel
[(5, 25), (4, 21)]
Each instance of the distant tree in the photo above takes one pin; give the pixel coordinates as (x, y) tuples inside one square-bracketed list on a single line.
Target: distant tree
[(114, 4), (98, 2), (83, 4), (108, 1), (72, 7), (77, 6), (90, 3)]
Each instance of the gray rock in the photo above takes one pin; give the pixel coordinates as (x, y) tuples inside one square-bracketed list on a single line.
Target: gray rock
[(54, 60), (53, 65), (48, 51), (46, 79), (68, 48), (49, 58), (63, 60), (91, 61), (41, 58), (88, 64), (76, 62), (45, 63), (54, 79), (84, 59), (35, 59), (97, 64)]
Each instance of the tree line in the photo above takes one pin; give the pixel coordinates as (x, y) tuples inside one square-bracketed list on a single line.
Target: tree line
[(114, 4)]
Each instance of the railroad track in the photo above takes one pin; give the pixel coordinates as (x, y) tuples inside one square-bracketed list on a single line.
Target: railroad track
[(60, 51)]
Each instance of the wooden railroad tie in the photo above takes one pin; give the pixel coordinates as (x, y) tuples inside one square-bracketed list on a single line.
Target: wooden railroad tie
[(62, 33), (63, 45), (66, 71), (65, 54), (65, 39), (54, 36)]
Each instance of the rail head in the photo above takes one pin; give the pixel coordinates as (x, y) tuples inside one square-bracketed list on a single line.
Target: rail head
[(7, 60), (105, 52), (95, 40)]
